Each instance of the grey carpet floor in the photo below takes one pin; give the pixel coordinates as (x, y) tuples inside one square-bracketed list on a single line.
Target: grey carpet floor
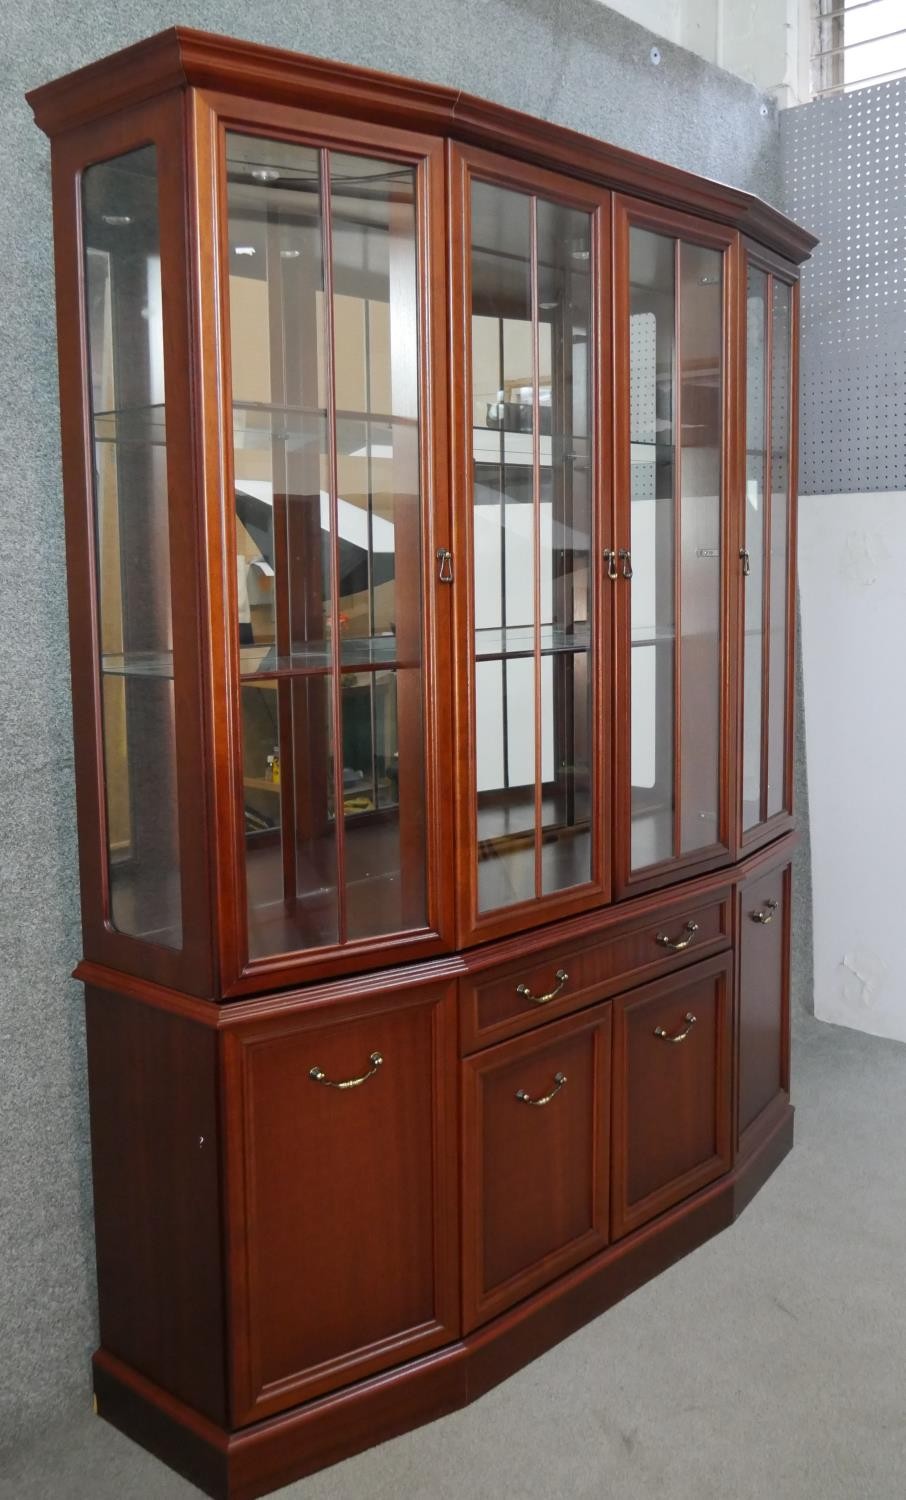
[(769, 1365)]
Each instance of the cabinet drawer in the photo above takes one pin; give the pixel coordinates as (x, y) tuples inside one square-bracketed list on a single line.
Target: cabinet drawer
[(536, 1118), (763, 1031), (502, 998), (671, 1071), (342, 1193)]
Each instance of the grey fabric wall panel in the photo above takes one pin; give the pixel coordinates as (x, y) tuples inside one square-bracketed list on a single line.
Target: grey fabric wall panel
[(572, 61), (844, 177)]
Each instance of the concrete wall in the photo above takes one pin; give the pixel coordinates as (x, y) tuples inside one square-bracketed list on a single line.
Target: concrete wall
[(765, 42), (851, 550), (573, 61)]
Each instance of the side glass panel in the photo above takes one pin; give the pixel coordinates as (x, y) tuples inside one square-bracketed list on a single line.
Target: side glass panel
[(781, 329), (753, 650), (325, 362), (676, 421), (532, 521), (124, 315)]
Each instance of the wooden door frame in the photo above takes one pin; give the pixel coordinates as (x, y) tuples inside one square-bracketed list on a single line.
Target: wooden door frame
[(212, 114), (464, 164), (631, 212), (774, 268), (159, 123)]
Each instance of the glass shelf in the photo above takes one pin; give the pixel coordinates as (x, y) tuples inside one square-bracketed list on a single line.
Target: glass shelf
[(519, 640), (359, 655), (132, 427), (652, 635), (257, 425), (138, 664)]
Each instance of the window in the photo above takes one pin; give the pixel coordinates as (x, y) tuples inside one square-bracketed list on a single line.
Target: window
[(855, 44)]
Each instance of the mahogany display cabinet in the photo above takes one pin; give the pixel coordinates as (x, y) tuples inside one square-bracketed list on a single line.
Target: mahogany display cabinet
[(430, 489)]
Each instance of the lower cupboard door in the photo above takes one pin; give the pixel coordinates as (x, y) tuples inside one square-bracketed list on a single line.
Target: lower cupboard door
[(342, 1178), (672, 1090), (536, 1122), (763, 1002)]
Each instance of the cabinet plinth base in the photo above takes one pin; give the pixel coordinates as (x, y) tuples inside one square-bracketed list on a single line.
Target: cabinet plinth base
[(255, 1460)]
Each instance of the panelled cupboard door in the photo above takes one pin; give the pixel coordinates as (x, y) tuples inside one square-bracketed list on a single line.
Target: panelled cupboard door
[(767, 547), (536, 1122), (675, 282), (333, 380), (342, 1182), (764, 1000), (530, 384), (672, 1089)]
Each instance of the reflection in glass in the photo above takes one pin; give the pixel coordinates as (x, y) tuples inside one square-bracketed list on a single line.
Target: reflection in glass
[(324, 358), (126, 361), (676, 423), (753, 653), (779, 568), (532, 506)]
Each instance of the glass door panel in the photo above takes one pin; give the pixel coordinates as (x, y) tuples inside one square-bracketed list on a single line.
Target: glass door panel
[(676, 540), (754, 541), (124, 316), (781, 330), (325, 369), (532, 494), (766, 552)]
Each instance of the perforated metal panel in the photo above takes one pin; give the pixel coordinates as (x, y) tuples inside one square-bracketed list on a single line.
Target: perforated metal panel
[(844, 177)]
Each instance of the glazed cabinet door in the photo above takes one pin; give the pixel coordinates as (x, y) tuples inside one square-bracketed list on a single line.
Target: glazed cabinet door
[(674, 285), (672, 1091), (341, 1193), (330, 248), (536, 1124), (763, 1031), (767, 548), (530, 283), (132, 544)]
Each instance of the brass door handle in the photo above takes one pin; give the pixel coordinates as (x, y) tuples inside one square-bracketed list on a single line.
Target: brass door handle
[(766, 913), (626, 557), (524, 1098), (317, 1075), (746, 563), (525, 993), (691, 928), (445, 558), (678, 1036), (610, 557)]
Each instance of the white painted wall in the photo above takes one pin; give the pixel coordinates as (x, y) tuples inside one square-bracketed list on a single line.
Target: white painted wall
[(766, 42), (852, 550)]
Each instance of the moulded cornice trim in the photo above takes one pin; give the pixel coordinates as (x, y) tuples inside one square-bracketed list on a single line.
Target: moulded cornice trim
[(185, 58)]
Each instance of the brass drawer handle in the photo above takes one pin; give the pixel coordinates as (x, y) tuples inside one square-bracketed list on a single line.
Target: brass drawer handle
[(524, 1098), (678, 1036), (525, 993), (691, 928), (317, 1075), (766, 914)]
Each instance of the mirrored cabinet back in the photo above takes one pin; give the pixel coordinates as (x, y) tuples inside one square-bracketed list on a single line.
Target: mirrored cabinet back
[(430, 482)]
